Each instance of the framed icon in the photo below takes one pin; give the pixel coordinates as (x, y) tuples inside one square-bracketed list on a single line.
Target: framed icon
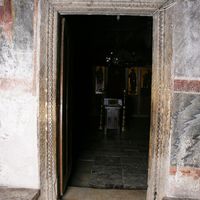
[(132, 80), (100, 79)]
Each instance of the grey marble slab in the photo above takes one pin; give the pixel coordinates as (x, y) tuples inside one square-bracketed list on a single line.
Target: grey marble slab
[(186, 135)]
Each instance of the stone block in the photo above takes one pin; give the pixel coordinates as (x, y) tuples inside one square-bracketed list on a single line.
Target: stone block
[(18, 194)]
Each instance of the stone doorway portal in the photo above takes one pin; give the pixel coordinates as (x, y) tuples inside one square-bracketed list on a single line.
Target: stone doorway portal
[(47, 30), (117, 158)]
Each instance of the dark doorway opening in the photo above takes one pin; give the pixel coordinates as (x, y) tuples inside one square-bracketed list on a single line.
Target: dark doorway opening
[(106, 57)]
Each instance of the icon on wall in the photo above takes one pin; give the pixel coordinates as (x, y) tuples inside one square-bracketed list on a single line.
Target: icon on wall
[(100, 79), (132, 81), (146, 78), (145, 83)]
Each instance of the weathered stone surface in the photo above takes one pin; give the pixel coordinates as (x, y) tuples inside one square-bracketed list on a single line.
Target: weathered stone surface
[(187, 38), (171, 198), (23, 24), (16, 41), (183, 181), (18, 104), (186, 126), (18, 194), (80, 193), (18, 140), (182, 186)]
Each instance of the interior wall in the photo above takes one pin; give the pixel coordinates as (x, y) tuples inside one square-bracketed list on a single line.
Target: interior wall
[(184, 173), (18, 99)]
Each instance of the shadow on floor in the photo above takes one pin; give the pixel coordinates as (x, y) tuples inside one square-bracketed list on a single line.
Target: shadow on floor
[(114, 161)]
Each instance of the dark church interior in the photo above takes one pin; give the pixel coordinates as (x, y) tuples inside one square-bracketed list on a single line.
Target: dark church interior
[(109, 89)]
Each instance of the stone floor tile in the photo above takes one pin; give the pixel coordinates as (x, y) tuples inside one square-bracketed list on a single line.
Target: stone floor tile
[(107, 161), (77, 193), (119, 161), (106, 178), (135, 181)]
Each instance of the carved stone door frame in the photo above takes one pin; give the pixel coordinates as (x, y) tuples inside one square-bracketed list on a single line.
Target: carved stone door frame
[(46, 33)]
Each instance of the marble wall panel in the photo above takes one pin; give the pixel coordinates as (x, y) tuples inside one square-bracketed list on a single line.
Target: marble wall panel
[(186, 135), (186, 38)]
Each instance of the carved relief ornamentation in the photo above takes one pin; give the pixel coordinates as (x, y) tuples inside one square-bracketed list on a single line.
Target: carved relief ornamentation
[(51, 103), (159, 106), (107, 6)]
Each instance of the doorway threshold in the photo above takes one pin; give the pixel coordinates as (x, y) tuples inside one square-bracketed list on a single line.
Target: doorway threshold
[(81, 193), (18, 193)]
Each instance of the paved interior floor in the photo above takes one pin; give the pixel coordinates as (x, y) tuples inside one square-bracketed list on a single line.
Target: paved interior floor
[(114, 161), (77, 193)]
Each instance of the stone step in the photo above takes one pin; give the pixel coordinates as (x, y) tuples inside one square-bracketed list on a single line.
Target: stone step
[(18, 194)]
